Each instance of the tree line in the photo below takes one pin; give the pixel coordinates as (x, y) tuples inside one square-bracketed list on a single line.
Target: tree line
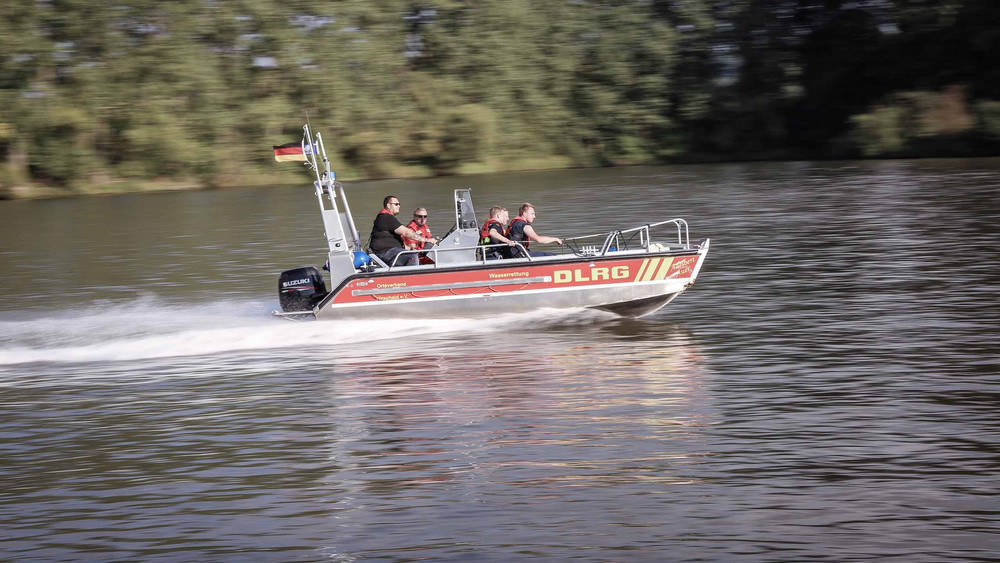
[(106, 96)]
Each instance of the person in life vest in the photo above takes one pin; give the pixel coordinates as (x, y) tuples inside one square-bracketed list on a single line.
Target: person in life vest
[(520, 230), (493, 233), (419, 225), (387, 234)]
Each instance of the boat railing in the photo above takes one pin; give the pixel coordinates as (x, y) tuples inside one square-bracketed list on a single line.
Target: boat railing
[(432, 253), (623, 239), (615, 241)]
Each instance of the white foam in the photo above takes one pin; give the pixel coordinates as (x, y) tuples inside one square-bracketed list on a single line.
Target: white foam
[(156, 330), (152, 328)]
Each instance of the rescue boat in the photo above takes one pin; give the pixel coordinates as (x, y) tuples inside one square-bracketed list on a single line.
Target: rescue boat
[(631, 272)]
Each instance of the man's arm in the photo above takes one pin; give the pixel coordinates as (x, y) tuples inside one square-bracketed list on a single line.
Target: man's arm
[(529, 231), (409, 233), (497, 235), (410, 243)]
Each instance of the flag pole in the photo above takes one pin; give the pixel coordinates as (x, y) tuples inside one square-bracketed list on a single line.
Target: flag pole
[(311, 159)]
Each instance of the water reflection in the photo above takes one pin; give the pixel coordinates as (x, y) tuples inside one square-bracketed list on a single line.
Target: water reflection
[(482, 404), (480, 437)]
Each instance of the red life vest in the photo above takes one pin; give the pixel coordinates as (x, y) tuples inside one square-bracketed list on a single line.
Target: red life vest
[(484, 233), (524, 242), (424, 231)]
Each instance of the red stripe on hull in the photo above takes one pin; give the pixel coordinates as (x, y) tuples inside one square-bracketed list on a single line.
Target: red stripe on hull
[(504, 279)]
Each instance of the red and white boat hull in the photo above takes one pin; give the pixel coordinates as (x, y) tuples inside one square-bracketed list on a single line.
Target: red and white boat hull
[(631, 285)]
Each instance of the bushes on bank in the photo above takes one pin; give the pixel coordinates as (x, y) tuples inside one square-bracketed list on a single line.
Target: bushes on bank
[(921, 124)]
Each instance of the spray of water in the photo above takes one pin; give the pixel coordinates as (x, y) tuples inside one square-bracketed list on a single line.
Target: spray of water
[(153, 328)]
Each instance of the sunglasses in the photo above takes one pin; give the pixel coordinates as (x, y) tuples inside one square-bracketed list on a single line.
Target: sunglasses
[(420, 216)]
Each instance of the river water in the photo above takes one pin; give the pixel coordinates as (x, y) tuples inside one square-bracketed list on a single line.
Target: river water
[(827, 391)]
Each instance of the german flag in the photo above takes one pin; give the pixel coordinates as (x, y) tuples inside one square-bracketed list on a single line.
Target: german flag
[(289, 152)]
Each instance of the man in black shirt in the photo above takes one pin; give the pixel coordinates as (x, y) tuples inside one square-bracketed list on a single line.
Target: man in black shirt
[(387, 235), (520, 230)]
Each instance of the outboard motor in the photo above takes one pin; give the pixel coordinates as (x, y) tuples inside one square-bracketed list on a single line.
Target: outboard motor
[(300, 289)]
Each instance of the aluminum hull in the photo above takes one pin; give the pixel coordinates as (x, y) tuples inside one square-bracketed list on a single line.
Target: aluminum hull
[(628, 284)]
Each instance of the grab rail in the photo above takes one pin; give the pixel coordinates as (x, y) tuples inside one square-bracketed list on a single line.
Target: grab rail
[(480, 256), (614, 238), (682, 231), (613, 241)]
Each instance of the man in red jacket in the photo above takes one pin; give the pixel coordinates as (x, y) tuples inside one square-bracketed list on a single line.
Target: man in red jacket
[(419, 226)]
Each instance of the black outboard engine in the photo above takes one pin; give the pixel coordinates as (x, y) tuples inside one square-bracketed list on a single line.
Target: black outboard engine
[(300, 289)]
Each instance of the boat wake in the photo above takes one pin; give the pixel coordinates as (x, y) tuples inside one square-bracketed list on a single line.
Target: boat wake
[(153, 328)]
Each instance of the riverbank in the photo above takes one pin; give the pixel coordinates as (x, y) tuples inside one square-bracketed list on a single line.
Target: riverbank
[(35, 190), (284, 174), (292, 175)]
